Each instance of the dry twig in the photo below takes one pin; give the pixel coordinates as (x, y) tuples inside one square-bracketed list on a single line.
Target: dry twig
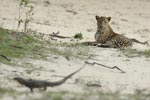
[(58, 36), (114, 67)]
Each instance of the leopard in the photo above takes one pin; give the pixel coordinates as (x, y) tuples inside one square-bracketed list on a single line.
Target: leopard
[(106, 37)]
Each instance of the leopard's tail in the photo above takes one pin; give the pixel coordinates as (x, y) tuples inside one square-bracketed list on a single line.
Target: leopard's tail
[(137, 41)]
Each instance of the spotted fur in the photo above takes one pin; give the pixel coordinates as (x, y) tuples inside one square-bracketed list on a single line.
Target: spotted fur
[(105, 35)]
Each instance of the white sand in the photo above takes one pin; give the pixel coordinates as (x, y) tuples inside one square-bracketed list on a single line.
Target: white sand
[(129, 17)]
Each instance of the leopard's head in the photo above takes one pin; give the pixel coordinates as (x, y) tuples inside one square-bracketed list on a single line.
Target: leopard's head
[(102, 23)]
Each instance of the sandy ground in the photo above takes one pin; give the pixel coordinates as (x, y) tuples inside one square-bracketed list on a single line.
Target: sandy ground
[(129, 17)]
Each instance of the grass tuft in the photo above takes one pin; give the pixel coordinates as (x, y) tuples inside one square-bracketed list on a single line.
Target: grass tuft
[(78, 36)]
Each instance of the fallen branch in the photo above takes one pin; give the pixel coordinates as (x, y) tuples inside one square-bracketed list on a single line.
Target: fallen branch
[(58, 36), (115, 67), (5, 57)]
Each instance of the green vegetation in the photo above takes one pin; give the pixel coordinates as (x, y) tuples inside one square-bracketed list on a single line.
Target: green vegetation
[(10, 93), (17, 45), (4, 91), (134, 53), (97, 95), (78, 36), (146, 53)]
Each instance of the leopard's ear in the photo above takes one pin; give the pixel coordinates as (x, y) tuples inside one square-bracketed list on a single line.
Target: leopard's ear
[(97, 17), (109, 18)]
